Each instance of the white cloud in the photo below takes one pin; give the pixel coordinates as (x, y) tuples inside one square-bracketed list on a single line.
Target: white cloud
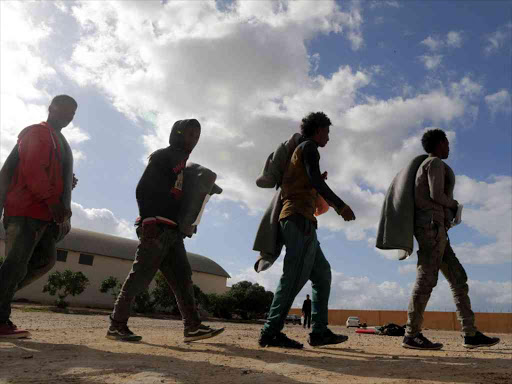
[(499, 102), (454, 39), (432, 43), (246, 144), (382, 3), (406, 269), (487, 209), (101, 220), (78, 155), (498, 39), (435, 43), (431, 61), (24, 73)]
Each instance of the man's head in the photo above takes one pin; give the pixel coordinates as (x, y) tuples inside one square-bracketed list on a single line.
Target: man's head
[(307, 297), (436, 143), (315, 126), (185, 134), (61, 111)]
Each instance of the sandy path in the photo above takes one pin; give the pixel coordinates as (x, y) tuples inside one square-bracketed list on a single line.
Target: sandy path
[(73, 349)]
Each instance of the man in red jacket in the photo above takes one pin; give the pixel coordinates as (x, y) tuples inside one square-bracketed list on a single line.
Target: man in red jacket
[(38, 198)]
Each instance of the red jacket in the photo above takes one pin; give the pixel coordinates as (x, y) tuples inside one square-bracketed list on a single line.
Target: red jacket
[(37, 181)]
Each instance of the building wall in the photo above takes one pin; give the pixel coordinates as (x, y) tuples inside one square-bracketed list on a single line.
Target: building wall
[(102, 268), (210, 283), (485, 322)]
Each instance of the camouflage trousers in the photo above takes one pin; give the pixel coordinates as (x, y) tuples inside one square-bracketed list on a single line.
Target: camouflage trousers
[(436, 254), (166, 253)]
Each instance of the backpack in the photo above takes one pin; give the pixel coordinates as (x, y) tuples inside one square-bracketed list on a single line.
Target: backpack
[(392, 329), (272, 173)]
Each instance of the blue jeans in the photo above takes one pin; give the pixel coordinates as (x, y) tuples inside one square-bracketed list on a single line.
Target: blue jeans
[(30, 253), (304, 260)]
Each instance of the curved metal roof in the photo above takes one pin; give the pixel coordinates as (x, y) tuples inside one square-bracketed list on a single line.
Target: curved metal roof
[(83, 241)]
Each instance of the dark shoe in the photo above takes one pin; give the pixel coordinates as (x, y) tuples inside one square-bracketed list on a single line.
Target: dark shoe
[(325, 338), (420, 342), (203, 332), (279, 340), (479, 340), (9, 331), (121, 332)]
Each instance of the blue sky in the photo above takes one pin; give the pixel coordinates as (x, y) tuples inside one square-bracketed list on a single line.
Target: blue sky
[(384, 72)]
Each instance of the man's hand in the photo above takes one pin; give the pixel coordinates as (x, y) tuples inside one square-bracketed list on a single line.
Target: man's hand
[(347, 213), (59, 212), (75, 182), (324, 175)]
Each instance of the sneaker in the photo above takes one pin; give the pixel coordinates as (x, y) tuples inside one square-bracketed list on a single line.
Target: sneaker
[(420, 342), (325, 338), (279, 340), (9, 331), (121, 332), (203, 332), (479, 340)]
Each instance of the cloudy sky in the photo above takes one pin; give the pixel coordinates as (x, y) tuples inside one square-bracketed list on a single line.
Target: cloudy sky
[(383, 71)]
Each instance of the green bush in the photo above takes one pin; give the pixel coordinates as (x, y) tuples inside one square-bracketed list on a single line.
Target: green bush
[(222, 306), (65, 283), (111, 284), (250, 300), (164, 299), (143, 303)]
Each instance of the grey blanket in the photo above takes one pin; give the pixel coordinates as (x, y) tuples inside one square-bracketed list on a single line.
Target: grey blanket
[(396, 226), (267, 241), (198, 185)]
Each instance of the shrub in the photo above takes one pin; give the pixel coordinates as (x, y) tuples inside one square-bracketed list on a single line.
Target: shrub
[(111, 284), (65, 283), (222, 306), (162, 296), (143, 303), (165, 300), (250, 300)]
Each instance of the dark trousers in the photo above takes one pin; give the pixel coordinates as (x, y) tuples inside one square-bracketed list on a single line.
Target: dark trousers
[(29, 254), (307, 319), (167, 254)]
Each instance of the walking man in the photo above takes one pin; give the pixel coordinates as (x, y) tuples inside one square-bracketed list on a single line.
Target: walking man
[(37, 202), (304, 259), (159, 195), (434, 210), (306, 312)]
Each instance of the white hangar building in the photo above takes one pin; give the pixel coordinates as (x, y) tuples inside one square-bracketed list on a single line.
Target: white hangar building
[(99, 256)]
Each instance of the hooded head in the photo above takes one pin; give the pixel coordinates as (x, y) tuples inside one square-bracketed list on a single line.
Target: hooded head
[(185, 134)]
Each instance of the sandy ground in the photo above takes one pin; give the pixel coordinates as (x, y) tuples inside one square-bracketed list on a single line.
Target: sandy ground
[(67, 348)]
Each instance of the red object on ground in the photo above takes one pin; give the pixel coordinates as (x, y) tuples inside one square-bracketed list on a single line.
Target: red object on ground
[(370, 331)]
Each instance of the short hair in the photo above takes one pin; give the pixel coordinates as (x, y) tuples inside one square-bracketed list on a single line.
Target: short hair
[(63, 99), (312, 122), (431, 138)]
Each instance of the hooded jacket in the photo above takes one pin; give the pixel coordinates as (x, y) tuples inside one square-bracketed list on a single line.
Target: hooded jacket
[(159, 191)]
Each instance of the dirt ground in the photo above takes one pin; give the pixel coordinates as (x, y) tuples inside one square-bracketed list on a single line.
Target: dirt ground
[(71, 348)]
